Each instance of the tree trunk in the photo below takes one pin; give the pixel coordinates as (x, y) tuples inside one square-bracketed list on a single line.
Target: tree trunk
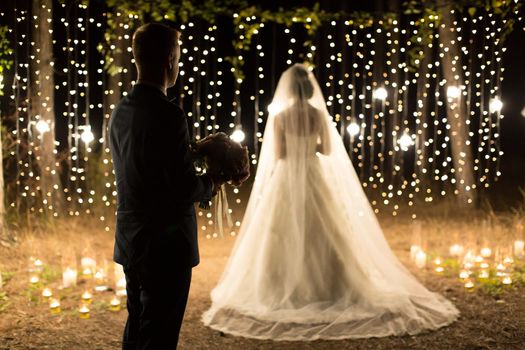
[(456, 111), (43, 103)]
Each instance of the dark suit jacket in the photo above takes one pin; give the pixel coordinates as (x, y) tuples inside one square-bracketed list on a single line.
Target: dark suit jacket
[(156, 181)]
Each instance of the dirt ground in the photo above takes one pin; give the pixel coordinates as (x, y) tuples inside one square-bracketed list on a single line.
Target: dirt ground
[(487, 322)]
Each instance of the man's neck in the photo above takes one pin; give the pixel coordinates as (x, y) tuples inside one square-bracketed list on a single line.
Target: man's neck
[(156, 85)]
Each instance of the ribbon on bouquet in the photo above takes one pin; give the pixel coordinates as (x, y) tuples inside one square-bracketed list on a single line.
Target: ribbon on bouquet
[(222, 211)]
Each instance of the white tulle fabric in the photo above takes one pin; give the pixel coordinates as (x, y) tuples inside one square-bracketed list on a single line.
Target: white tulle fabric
[(311, 261)]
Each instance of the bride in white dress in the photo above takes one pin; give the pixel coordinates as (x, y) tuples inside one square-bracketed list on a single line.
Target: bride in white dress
[(311, 261)]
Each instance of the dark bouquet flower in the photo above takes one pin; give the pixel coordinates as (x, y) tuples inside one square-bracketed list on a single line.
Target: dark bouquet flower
[(222, 158), (225, 161)]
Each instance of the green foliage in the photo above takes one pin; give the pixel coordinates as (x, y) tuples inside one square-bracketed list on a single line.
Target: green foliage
[(4, 301), (7, 276), (49, 274), (6, 53)]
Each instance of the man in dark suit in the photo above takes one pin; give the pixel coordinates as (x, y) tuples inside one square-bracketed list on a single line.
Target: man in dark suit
[(156, 230)]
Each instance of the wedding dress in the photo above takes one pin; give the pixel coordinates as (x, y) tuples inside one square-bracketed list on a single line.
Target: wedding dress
[(311, 261)]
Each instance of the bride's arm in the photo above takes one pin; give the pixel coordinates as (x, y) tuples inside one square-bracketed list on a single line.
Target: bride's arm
[(280, 144)]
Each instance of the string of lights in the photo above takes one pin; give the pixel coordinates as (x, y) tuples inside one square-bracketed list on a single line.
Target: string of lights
[(395, 120)]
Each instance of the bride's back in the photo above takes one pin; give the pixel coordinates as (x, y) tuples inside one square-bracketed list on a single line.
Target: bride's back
[(300, 130)]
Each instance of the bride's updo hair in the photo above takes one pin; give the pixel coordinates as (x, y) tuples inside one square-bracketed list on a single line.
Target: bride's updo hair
[(302, 87)]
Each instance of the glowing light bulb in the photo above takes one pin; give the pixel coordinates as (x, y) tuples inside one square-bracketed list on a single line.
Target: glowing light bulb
[(453, 91), (405, 142), (238, 136), (87, 136), (353, 129), (380, 93), (42, 126), (495, 105)]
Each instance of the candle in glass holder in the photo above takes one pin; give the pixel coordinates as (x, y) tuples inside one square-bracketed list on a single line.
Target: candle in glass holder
[(421, 259), (507, 280), (39, 265), (469, 285), (456, 250), (69, 277), (500, 270), (87, 297), (464, 274), (414, 249), (114, 304), (519, 248), (483, 274), (34, 279), (88, 266), (83, 311), (54, 306), (486, 252), (99, 280), (47, 293)]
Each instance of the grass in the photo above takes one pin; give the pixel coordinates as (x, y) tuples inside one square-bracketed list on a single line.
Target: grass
[(493, 315)]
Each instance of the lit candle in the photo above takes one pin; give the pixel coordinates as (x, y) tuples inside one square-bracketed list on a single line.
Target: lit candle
[(519, 248), (34, 279), (69, 277), (486, 252), (456, 250), (114, 304), (84, 312), (99, 280), (483, 274), (421, 259), (414, 249), (86, 297), (500, 270), (469, 285), (478, 259), (54, 306), (47, 293), (38, 264), (507, 280), (88, 266), (121, 287), (484, 265), (439, 269), (508, 260), (464, 274)]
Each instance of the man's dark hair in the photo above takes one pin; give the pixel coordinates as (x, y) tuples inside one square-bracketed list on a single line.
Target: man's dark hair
[(153, 43)]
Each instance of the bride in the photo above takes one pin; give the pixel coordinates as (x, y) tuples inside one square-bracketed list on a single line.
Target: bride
[(311, 261)]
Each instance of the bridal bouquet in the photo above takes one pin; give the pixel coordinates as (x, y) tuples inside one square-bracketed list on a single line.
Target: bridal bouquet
[(224, 160)]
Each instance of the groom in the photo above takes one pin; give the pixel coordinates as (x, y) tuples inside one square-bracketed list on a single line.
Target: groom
[(156, 230)]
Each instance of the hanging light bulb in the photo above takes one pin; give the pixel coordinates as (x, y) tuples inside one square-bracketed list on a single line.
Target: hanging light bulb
[(495, 105), (42, 126), (405, 142), (353, 129), (453, 91), (238, 135), (87, 136), (380, 93)]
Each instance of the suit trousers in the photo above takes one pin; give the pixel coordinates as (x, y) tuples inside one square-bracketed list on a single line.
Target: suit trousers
[(156, 303)]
